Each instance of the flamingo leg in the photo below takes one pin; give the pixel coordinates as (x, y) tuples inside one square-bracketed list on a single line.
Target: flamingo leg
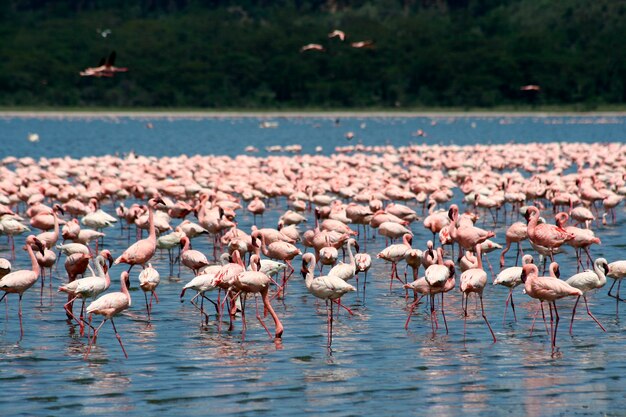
[(119, 338), (147, 305), (591, 315), (19, 312), (571, 323), (443, 314), (92, 342), (485, 317), (411, 308), (258, 316), (341, 305)]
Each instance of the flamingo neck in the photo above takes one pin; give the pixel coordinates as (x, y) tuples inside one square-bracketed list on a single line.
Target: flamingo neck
[(152, 235), (56, 227), (125, 288), (33, 259), (351, 256)]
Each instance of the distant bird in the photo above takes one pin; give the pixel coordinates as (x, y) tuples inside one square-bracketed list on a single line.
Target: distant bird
[(530, 87), (337, 34), (312, 47), (362, 44), (106, 68)]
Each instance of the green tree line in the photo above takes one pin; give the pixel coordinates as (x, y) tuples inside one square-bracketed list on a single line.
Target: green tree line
[(246, 54)]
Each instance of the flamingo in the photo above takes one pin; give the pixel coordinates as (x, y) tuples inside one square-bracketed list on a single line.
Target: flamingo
[(394, 254), (19, 281), (466, 235), (149, 280), (192, 259), (586, 281), (256, 282), (546, 235), (140, 252), (617, 271), (547, 289), (440, 277), (87, 287), (279, 250), (363, 262), (108, 306), (474, 280), (516, 233), (512, 277), (206, 281), (328, 288)]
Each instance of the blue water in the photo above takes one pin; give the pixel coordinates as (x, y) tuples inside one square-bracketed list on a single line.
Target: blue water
[(376, 367)]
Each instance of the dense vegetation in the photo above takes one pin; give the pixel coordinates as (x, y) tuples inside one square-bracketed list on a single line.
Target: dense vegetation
[(246, 54)]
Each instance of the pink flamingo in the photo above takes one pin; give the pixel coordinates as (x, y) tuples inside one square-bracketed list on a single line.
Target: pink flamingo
[(140, 252), (546, 235), (547, 289), (466, 235), (586, 281), (108, 306), (257, 282), (327, 288), (88, 287), (192, 259), (516, 233), (473, 281), (394, 254), (281, 251), (149, 280), (19, 281), (511, 277)]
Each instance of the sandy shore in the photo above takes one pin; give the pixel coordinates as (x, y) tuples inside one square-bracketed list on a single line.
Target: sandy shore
[(290, 114)]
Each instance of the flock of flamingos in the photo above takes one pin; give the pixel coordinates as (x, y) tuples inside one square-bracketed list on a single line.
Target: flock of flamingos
[(546, 197)]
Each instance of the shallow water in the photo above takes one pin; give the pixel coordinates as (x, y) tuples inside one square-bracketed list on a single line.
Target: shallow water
[(375, 366)]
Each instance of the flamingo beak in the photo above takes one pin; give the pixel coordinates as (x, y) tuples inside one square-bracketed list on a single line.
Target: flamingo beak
[(523, 276), (450, 214), (356, 246), (606, 268), (61, 209), (558, 272)]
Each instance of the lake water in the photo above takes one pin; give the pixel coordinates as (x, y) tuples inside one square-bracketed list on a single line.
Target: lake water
[(376, 367)]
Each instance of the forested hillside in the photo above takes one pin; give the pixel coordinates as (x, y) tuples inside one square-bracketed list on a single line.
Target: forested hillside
[(246, 54)]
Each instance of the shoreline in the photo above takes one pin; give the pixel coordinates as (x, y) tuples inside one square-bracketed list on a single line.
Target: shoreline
[(199, 114)]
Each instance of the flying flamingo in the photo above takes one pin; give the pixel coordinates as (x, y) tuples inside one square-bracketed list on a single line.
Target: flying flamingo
[(547, 289), (473, 281), (337, 34), (512, 277), (327, 288), (149, 280), (140, 252), (19, 281), (586, 281), (257, 282), (108, 306)]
